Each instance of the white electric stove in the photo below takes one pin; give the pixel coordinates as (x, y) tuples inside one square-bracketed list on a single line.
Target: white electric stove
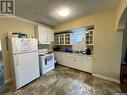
[(46, 61)]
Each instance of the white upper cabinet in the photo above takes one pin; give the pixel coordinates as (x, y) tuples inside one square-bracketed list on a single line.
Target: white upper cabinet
[(45, 35), (89, 38), (63, 39), (50, 35)]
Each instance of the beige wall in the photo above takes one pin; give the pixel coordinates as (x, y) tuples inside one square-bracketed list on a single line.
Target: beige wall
[(11, 25), (86, 21), (108, 43), (108, 46)]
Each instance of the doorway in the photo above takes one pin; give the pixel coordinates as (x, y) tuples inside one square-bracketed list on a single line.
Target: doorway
[(123, 74)]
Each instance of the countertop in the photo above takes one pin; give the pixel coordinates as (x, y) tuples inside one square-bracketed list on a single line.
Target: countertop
[(78, 54)]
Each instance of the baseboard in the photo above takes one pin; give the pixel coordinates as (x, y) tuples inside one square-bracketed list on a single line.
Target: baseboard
[(7, 81), (106, 78)]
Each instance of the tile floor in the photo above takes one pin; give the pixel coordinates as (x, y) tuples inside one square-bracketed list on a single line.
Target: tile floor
[(65, 81)]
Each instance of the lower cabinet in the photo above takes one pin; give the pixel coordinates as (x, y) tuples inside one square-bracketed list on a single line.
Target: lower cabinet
[(86, 64), (68, 60), (59, 58), (77, 62), (80, 62)]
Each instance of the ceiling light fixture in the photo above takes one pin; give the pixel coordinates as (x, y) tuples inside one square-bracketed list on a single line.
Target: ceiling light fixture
[(64, 12)]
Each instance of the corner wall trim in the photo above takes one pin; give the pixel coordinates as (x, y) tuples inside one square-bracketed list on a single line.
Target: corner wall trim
[(106, 78)]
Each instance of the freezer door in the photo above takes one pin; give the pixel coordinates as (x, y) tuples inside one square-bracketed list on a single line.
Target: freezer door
[(26, 68), (23, 45)]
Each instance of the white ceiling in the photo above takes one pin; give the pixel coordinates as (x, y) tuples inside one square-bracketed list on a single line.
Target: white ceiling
[(44, 11)]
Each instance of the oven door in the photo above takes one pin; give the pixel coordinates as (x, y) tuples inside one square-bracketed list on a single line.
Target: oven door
[(49, 60)]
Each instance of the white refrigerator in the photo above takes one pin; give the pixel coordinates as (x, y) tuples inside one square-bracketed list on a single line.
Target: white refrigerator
[(25, 63)]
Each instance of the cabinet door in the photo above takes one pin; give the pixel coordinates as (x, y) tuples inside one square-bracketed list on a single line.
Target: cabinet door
[(59, 58), (50, 35), (62, 39), (68, 39), (68, 60), (87, 64), (65, 59), (77, 62), (57, 39), (42, 35)]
